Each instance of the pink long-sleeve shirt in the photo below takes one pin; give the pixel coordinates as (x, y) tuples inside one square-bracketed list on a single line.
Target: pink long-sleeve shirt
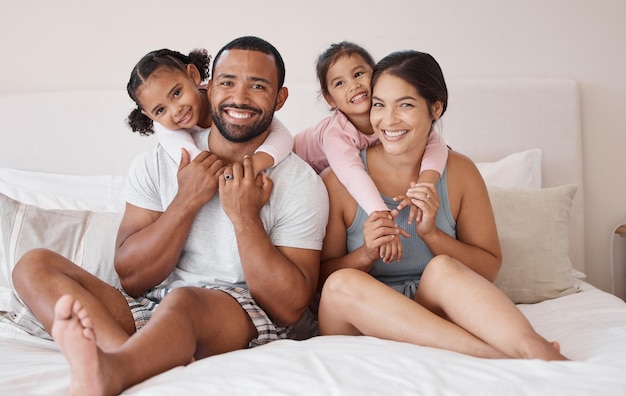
[(336, 142)]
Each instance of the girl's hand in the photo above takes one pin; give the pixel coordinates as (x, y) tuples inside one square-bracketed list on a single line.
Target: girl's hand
[(424, 196), (391, 251)]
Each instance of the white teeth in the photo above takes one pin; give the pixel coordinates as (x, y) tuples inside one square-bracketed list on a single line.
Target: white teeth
[(185, 118), (357, 98), (395, 133), (235, 114)]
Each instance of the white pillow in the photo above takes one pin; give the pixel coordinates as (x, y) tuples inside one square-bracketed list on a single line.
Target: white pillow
[(85, 237), (517, 170), (533, 228), (102, 193)]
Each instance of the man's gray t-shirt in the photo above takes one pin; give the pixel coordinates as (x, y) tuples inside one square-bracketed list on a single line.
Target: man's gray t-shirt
[(295, 216)]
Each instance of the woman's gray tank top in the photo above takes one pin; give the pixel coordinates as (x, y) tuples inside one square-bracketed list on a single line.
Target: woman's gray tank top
[(415, 253)]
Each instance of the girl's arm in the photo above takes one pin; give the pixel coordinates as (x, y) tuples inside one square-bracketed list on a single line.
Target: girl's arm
[(173, 141), (434, 159), (345, 161), (433, 163), (276, 147)]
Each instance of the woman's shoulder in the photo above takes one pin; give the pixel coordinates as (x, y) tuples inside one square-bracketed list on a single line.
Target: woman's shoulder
[(459, 160), (461, 167)]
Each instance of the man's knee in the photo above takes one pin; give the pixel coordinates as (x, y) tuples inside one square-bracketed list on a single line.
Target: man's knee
[(30, 265), (182, 298)]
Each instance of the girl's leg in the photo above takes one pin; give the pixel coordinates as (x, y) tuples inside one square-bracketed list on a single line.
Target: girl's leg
[(477, 305), (355, 303), (42, 276), (189, 322)]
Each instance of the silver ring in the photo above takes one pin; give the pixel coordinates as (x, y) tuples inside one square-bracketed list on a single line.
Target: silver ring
[(228, 177), (427, 197)]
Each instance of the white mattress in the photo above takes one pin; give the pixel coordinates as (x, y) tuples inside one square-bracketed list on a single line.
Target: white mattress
[(589, 325)]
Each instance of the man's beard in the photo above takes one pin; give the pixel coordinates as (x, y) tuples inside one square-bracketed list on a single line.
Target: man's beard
[(240, 133)]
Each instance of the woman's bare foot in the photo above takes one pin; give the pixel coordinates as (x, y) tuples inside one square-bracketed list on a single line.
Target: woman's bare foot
[(73, 331)]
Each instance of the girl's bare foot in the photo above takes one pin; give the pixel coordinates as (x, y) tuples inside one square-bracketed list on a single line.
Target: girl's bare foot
[(73, 331)]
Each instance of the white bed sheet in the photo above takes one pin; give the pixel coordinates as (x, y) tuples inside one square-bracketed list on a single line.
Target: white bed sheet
[(589, 325)]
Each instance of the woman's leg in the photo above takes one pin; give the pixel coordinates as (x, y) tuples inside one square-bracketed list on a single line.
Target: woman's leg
[(355, 303), (42, 276), (189, 322), (477, 305)]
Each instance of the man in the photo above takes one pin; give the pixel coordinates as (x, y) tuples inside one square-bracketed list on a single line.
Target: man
[(233, 261)]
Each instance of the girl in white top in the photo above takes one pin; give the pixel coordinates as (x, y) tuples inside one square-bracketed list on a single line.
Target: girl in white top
[(172, 102)]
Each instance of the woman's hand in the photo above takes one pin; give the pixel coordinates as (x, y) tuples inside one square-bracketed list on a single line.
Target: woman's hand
[(382, 236), (424, 197), (415, 213)]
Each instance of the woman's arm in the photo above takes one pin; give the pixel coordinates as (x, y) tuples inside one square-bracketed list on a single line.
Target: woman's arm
[(378, 230), (476, 244)]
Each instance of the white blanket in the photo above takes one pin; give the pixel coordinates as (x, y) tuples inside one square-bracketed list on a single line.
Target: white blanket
[(590, 326)]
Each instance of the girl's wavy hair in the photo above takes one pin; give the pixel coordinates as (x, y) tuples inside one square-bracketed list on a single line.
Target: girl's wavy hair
[(157, 60), (338, 50)]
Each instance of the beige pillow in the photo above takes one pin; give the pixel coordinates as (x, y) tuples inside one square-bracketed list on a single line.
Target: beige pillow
[(533, 227), (87, 238)]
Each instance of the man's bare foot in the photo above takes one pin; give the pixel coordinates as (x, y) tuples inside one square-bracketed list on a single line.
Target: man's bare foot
[(73, 331)]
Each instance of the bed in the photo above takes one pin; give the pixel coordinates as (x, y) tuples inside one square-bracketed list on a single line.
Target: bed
[(62, 163)]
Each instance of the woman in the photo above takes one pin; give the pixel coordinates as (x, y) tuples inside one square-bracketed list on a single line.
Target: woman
[(449, 257)]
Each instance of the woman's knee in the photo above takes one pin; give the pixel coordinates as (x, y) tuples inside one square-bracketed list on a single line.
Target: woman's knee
[(342, 286), (442, 269)]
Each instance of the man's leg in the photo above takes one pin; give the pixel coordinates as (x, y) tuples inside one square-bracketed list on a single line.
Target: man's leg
[(41, 277), (189, 323)]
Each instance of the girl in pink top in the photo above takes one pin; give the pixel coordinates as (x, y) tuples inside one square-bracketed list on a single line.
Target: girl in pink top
[(344, 71)]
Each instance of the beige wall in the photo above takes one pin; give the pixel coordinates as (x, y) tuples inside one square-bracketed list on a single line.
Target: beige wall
[(64, 44)]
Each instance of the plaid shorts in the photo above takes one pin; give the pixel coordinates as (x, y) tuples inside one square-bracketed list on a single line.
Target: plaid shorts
[(143, 307)]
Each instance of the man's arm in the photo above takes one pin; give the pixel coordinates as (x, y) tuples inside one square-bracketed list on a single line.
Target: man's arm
[(149, 243), (281, 279)]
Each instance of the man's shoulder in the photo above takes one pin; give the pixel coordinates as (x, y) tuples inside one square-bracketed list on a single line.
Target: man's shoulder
[(293, 165), (293, 170), (151, 161)]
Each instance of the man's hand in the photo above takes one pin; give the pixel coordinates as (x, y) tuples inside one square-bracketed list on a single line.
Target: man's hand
[(242, 195), (198, 180)]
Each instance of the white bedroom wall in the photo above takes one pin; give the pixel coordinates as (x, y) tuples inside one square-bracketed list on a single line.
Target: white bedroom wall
[(73, 44)]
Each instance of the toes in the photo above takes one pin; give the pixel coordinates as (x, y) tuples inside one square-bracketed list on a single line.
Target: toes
[(64, 307)]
